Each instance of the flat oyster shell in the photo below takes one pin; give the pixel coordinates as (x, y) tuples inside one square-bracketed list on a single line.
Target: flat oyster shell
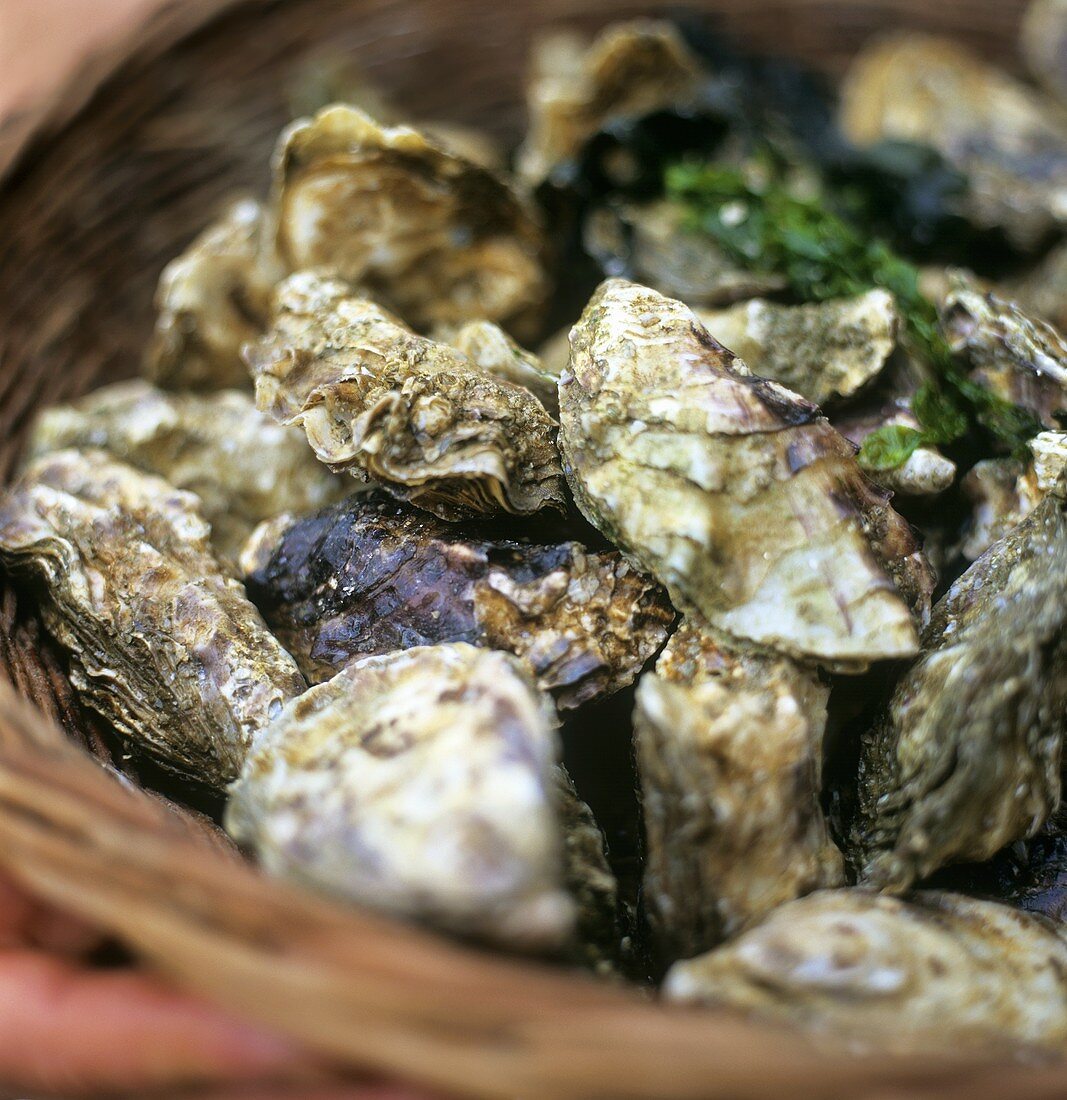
[(1009, 143), (731, 490), (1018, 357), (161, 644), (210, 301), (367, 576), (630, 69), (378, 402), (939, 974), (967, 757), (420, 783), (439, 238), (821, 350), (242, 466), (729, 753)]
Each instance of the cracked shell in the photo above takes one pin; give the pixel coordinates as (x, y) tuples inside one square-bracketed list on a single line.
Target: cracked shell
[(416, 416), (732, 490), (161, 644), (420, 783)]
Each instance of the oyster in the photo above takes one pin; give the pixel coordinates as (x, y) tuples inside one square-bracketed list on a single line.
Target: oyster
[(967, 757), (576, 87), (1017, 357), (420, 783), (1043, 43), (367, 576), (161, 644), (937, 974), (439, 238), (242, 466), (651, 244), (416, 416), (211, 300), (731, 490), (822, 350), (1009, 143), (729, 752)]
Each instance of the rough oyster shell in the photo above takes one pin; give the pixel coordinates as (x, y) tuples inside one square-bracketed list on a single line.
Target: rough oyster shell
[(377, 401), (439, 238), (937, 974), (729, 752), (163, 645), (967, 757), (367, 576), (210, 301), (420, 783), (242, 466), (731, 490), (576, 87), (1009, 143)]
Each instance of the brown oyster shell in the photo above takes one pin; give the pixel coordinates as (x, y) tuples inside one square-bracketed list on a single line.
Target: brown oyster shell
[(420, 783), (416, 416), (161, 644), (367, 576), (732, 490)]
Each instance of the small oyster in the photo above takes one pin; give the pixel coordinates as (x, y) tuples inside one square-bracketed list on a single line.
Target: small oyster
[(491, 349), (1017, 357), (729, 751), (420, 783), (211, 300), (161, 644), (1042, 291), (1009, 143), (821, 350), (242, 466), (367, 576), (576, 87), (937, 974), (732, 490), (378, 402), (651, 244), (439, 238), (967, 758), (1043, 44)]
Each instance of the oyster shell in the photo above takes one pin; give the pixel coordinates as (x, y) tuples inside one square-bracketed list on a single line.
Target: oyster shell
[(378, 402), (576, 87), (1003, 492), (729, 752), (367, 576), (420, 783), (731, 490), (967, 757), (1009, 143), (821, 350), (210, 301), (937, 974), (242, 466), (161, 644), (439, 238), (1017, 357)]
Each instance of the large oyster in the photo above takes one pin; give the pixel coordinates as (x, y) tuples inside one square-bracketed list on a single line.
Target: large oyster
[(937, 974), (439, 238), (1008, 142), (732, 490), (576, 87), (242, 466), (161, 643), (821, 350), (421, 783), (211, 300), (379, 402), (729, 751), (967, 757), (368, 576)]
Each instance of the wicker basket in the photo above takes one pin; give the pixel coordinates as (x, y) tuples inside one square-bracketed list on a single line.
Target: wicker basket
[(101, 187)]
